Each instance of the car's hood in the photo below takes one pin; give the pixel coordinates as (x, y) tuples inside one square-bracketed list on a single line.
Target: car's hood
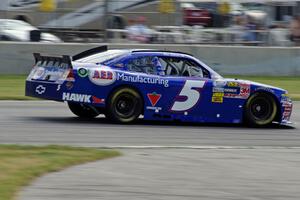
[(255, 84), (17, 34), (48, 37), (21, 35)]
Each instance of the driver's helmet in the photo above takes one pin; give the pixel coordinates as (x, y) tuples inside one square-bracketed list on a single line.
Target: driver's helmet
[(160, 69)]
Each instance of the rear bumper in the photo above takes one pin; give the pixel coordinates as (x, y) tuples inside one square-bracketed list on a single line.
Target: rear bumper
[(66, 91), (44, 90)]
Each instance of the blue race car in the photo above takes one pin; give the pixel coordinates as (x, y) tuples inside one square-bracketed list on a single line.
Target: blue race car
[(158, 85)]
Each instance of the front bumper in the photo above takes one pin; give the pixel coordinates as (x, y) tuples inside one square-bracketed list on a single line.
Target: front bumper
[(286, 110)]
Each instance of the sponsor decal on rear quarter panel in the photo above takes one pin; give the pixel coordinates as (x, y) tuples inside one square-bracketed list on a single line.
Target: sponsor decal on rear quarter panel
[(82, 72), (102, 77)]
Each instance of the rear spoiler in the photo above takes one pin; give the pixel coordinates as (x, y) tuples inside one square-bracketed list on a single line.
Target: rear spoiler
[(67, 60), (90, 52), (58, 61)]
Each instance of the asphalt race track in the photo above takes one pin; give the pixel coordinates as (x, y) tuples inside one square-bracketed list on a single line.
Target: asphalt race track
[(160, 160), (46, 122)]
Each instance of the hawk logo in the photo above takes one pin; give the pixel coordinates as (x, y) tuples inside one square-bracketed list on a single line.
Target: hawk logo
[(153, 98), (83, 98)]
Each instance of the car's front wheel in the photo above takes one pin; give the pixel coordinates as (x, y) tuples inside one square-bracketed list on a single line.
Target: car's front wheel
[(125, 105), (260, 110), (82, 110)]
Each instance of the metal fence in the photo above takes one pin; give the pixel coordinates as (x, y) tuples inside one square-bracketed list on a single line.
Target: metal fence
[(163, 21)]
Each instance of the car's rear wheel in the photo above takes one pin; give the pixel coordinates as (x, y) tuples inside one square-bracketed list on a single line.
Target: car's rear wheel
[(83, 110), (125, 105), (260, 109)]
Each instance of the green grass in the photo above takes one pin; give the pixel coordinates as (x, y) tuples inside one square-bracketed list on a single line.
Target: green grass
[(291, 84), (19, 165), (12, 87)]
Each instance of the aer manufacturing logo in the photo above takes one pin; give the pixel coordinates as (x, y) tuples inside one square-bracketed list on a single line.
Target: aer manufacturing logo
[(102, 77)]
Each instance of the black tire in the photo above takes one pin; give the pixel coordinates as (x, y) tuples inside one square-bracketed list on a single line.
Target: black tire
[(83, 111), (260, 110), (125, 105)]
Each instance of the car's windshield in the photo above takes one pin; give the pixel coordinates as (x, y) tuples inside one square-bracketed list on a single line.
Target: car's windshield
[(101, 58)]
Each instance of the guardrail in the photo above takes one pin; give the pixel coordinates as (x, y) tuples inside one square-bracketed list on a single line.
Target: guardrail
[(76, 35), (180, 35), (16, 58), (200, 35)]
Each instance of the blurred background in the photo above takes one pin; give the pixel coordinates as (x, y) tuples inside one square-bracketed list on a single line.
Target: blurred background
[(237, 37), (257, 40), (235, 22)]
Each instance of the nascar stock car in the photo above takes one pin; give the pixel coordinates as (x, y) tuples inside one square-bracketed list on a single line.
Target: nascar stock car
[(154, 84)]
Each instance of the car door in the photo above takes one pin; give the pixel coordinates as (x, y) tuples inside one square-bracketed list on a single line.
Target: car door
[(189, 89)]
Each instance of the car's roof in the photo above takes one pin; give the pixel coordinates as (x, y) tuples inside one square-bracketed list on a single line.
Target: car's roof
[(157, 51), (94, 52), (13, 21), (13, 24), (92, 55), (111, 54)]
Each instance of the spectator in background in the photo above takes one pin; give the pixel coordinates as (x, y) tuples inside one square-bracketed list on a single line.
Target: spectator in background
[(251, 27), (295, 31), (279, 35), (238, 28), (130, 28), (224, 11), (138, 31)]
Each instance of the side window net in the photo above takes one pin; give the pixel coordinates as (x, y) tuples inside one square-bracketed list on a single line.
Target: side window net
[(182, 67), (143, 65)]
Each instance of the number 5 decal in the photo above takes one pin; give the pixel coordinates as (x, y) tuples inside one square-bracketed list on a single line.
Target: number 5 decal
[(189, 96)]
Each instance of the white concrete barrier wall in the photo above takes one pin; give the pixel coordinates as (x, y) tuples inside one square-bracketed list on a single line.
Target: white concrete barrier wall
[(16, 58)]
